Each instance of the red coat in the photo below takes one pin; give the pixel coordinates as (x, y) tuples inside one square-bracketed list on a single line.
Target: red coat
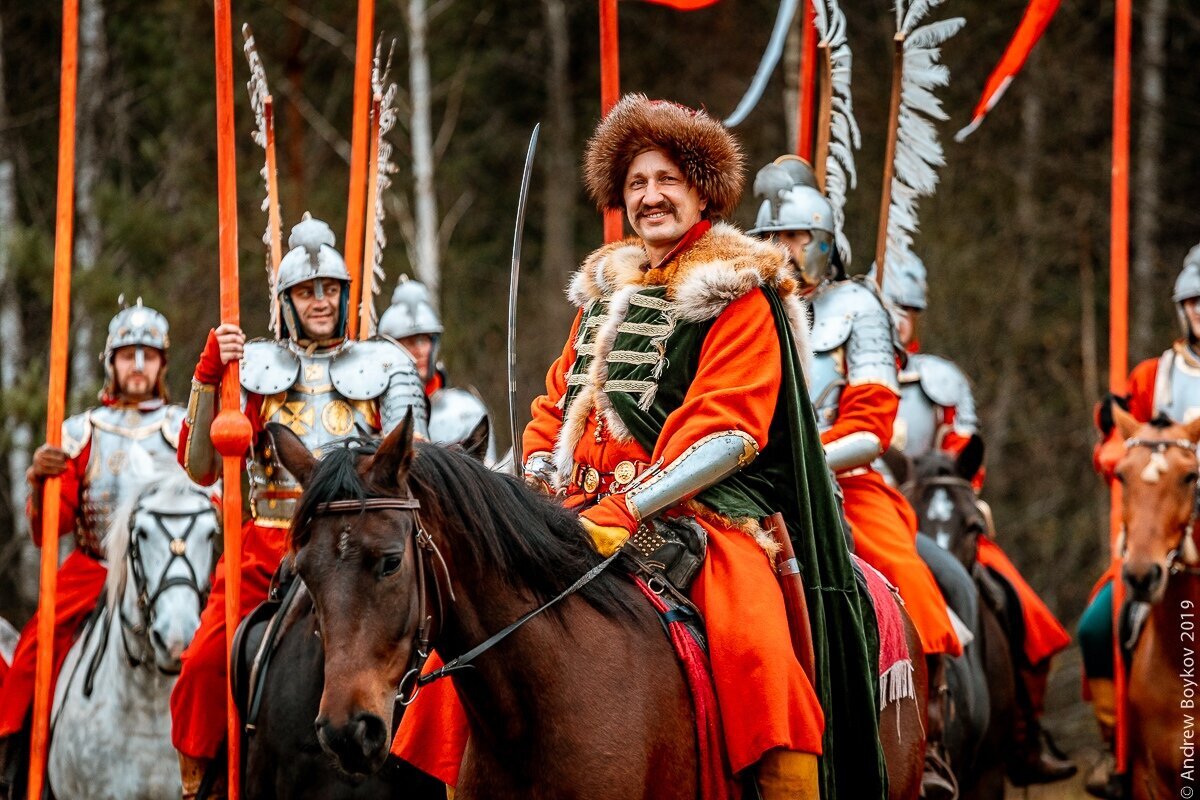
[(735, 387)]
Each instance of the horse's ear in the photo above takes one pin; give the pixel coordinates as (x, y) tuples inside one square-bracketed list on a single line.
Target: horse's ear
[(476, 443), (391, 461), (970, 458), (292, 453), (1193, 430), (1125, 422), (899, 464)]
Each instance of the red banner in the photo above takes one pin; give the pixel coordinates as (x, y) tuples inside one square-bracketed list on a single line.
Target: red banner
[(1033, 25)]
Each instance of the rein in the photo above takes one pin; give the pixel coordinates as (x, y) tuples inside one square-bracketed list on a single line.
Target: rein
[(412, 680), (1160, 446)]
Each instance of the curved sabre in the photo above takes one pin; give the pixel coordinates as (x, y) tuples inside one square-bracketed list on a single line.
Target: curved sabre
[(518, 235), (770, 58)]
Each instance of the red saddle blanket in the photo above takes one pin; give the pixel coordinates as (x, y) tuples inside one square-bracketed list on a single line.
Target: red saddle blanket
[(895, 662)]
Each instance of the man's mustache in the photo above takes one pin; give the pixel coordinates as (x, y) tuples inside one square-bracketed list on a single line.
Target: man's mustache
[(665, 205)]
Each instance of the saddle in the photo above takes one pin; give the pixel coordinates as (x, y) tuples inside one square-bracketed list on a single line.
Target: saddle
[(255, 642)]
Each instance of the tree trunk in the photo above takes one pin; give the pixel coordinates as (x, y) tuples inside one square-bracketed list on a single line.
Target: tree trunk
[(1020, 314), (424, 194), (12, 357), (93, 57), (1147, 291)]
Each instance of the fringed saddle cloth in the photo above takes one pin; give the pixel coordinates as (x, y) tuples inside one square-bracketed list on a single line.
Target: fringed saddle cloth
[(895, 662)]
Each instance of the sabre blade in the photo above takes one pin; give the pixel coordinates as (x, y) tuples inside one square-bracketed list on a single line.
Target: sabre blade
[(518, 235)]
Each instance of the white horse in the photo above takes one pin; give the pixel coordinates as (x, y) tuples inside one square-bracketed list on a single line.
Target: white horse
[(112, 723)]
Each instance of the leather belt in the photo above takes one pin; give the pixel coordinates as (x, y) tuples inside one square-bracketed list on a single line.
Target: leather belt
[(594, 482)]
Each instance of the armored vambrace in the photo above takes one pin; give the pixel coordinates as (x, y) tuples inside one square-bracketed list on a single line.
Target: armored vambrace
[(853, 450), (706, 463), (199, 456)]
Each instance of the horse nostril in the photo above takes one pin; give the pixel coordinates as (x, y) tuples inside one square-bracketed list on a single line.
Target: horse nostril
[(370, 734), (1143, 582), (158, 640)]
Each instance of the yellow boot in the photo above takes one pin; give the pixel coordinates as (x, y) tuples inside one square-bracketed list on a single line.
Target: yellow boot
[(788, 775), (1104, 707)]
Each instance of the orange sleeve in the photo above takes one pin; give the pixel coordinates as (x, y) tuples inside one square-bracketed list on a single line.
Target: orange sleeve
[(867, 407), (542, 431), (69, 498), (736, 387), (1111, 448)]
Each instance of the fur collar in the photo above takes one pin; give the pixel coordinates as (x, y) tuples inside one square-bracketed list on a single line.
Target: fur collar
[(723, 265)]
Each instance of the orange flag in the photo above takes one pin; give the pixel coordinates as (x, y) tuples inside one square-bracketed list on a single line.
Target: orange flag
[(683, 5), (1033, 25)]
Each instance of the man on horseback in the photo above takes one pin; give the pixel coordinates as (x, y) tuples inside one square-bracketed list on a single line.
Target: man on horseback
[(678, 396), (937, 412), (133, 409), (324, 387), (413, 323), (1165, 386), (856, 393)]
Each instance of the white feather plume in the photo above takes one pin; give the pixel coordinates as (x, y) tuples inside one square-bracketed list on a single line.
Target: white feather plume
[(844, 136), (259, 92), (918, 151), (387, 120)]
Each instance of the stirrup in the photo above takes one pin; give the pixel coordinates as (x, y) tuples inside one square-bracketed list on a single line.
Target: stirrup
[(938, 781)]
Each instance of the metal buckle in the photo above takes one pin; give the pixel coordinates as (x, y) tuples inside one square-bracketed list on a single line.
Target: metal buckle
[(591, 480), (624, 472)]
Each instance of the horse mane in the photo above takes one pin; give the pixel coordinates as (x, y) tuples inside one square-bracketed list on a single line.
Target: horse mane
[(529, 541), (167, 478), (934, 464)]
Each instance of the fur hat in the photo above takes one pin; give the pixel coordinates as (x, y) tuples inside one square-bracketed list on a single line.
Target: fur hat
[(709, 156)]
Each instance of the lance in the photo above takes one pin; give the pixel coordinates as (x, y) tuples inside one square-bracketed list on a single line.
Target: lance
[(808, 77), (56, 397), (230, 429), (1118, 340), (264, 113), (889, 162), (359, 151), (518, 237), (824, 114), (610, 93), (367, 309)]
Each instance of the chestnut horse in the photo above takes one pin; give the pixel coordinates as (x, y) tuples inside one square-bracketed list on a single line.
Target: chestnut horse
[(1161, 567)]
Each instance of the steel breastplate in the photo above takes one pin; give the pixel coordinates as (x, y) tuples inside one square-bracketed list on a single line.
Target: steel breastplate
[(826, 380), (915, 430), (317, 413), (113, 431), (1177, 386)]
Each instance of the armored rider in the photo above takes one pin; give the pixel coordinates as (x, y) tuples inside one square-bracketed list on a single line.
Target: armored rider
[(322, 386), (414, 323), (678, 399), (855, 391), (133, 409), (1167, 385), (937, 412)]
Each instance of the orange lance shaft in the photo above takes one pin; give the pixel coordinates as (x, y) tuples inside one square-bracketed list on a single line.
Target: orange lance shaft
[(230, 430), (806, 100), (274, 221), (1118, 338), (56, 398), (610, 90), (367, 306), (889, 161), (359, 156)]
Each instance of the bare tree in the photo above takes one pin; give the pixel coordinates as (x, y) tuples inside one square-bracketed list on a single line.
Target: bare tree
[(93, 59), (1146, 191), (425, 214), (558, 243)]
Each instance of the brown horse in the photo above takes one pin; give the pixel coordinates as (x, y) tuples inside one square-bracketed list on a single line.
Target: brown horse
[(1161, 567)]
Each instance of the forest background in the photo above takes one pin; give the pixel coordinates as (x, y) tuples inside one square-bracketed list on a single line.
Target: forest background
[(1016, 239)]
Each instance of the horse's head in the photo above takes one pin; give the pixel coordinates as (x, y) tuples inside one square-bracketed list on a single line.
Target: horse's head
[(160, 552), (941, 492), (1158, 478), (355, 538)]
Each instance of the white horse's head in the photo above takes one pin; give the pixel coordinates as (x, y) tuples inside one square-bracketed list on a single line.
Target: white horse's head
[(160, 551)]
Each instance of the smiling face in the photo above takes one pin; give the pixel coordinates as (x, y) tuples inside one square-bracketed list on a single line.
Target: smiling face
[(659, 202), (317, 303)]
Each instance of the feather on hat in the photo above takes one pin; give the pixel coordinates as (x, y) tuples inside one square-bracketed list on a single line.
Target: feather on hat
[(704, 150)]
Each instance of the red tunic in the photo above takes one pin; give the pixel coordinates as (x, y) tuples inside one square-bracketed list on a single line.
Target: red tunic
[(765, 698), (80, 582), (882, 522)]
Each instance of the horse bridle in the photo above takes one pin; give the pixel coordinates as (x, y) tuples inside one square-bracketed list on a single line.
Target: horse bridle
[(1161, 446), (412, 680), (147, 600)]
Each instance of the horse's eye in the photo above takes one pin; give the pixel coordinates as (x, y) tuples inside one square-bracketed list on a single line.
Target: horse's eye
[(1120, 476), (975, 528), (389, 565), (1190, 478)]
